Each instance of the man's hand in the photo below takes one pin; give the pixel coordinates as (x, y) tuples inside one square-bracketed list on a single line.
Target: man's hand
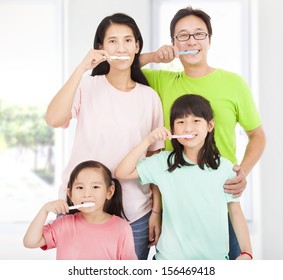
[(237, 185), (165, 54)]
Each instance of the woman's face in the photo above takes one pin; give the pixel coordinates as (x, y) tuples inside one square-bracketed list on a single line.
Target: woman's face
[(119, 40), (192, 25)]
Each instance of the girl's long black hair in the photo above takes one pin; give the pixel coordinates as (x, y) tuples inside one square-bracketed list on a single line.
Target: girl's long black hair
[(192, 104), (112, 206), (104, 67)]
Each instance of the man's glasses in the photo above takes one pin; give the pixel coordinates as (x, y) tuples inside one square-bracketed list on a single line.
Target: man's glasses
[(182, 37)]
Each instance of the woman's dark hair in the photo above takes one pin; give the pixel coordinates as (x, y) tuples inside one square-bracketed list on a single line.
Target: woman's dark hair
[(104, 67), (112, 206), (192, 104), (189, 11)]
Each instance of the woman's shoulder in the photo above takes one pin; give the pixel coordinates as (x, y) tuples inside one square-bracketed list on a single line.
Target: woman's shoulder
[(147, 90), (88, 78)]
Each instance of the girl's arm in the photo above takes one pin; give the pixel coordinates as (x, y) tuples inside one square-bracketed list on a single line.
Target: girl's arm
[(126, 169), (241, 229), (33, 237), (59, 110)]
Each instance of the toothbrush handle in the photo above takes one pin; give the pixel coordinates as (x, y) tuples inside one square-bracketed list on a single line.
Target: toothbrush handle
[(75, 207)]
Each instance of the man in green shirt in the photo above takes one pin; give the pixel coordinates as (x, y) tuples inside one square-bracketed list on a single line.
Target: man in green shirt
[(228, 93)]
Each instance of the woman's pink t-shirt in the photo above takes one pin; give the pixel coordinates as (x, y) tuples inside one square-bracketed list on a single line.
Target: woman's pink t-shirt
[(110, 123)]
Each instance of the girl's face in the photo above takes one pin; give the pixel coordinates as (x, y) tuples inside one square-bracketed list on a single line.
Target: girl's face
[(90, 186), (119, 40), (192, 25), (196, 127)]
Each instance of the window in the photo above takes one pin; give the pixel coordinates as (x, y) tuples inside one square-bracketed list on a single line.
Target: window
[(30, 69)]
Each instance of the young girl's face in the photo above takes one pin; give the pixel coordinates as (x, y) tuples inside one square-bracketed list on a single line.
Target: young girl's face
[(90, 186), (196, 127), (119, 40)]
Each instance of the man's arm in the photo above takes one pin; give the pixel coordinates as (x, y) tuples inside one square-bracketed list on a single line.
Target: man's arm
[(253, 152), (164, 54)]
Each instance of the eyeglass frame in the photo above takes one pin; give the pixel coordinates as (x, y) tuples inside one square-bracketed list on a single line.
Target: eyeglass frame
[(191, 35)]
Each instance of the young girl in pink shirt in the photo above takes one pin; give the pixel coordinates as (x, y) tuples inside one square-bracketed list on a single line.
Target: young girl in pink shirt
[(97, 232), (115, 109)]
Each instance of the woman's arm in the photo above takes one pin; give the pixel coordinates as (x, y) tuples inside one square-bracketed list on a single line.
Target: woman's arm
[(34, 235), (59, 110), (241, 229), (154, 223)]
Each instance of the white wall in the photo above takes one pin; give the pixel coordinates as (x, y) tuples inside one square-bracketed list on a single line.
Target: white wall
[(270, 63), (82, 18)]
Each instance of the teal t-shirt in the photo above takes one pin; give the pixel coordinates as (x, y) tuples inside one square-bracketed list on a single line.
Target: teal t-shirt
[(195, 219), (229, 95)]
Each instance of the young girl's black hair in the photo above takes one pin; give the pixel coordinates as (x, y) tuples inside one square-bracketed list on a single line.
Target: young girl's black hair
[(112, 206), (192, 104), (104, 67)]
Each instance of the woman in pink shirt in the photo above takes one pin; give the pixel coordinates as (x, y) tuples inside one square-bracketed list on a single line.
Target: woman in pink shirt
[(115, 109), (97, 232)]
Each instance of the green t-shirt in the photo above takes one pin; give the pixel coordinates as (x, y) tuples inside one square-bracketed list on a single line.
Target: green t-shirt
[(195, 220), (229, 95)]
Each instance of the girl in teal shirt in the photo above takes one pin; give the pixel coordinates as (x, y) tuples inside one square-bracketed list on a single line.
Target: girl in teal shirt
[(190, 179)]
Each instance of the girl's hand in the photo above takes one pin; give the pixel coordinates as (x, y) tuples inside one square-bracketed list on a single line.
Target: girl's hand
[(57, 206), (159, 134), (93, 58)]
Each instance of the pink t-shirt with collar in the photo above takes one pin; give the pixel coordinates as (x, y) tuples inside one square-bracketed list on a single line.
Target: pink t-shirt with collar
[(109, 124), (77, 239)]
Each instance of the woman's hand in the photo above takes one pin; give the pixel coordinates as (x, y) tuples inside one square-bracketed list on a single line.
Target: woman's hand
[(154, 225), (94, 58)]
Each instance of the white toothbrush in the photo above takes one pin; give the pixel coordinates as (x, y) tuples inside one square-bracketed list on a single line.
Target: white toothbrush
[(122, 57), (188, 52), (87, 204), (188, 136)]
